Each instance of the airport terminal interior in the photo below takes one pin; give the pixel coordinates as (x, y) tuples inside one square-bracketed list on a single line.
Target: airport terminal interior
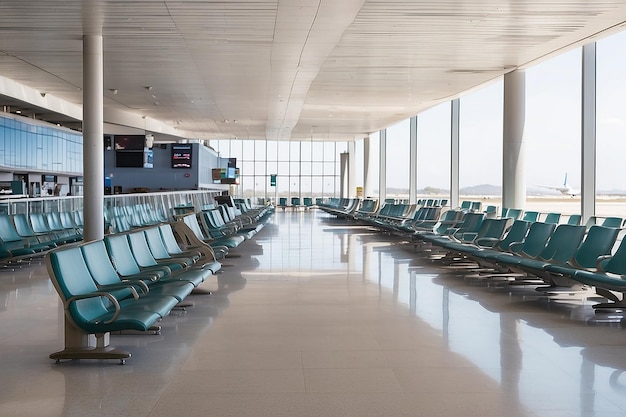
[(312, 208)]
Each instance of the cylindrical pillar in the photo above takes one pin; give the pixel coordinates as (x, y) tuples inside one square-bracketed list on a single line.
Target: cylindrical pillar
[(455, 134), (413, 161), (93, 134), (382, 173), (368, 181), (513, 146), (588, 141)]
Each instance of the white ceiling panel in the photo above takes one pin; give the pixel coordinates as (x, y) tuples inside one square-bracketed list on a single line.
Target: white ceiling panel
[(288, 69)]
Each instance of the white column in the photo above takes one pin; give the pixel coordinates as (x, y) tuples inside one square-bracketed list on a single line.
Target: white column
[(368, 181), (351, 169), (93, 137), (413, 161), (588, 130), (514, 146), (382, 171), (454, 152), (343, 175)]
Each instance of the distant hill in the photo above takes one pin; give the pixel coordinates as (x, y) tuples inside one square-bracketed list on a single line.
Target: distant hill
[(482, 189)]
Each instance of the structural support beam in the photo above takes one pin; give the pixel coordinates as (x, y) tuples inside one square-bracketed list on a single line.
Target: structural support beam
[(382, 172), (588, 131), (352, 169), (513, 146), (343, 174), (93, 134), (368, 181), (454, 152), (413, 161)]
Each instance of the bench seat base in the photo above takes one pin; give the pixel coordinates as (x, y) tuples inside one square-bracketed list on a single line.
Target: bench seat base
[(107, 352)]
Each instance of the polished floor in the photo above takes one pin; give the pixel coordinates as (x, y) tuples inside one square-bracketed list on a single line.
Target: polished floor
[(320, 317)]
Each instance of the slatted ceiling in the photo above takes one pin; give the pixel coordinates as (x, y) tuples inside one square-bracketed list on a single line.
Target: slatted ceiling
[(214, 60)]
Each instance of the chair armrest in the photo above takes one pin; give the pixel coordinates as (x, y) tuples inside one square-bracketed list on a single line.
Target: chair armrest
[(121, 286), (488, 242), (105, 294), (601, 261)]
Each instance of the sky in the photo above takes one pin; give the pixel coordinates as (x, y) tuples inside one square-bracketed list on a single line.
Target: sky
[(552, 130)]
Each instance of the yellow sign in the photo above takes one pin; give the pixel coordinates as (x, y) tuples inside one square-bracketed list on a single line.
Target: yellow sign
[(359, 192)]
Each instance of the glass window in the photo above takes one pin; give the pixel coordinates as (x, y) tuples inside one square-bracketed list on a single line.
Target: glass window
[(433, 151), (305, 151), (610, 127), (480, 129), (294, 151), (398, 151), (552, 130), (248, 150), (272, 150), (317, 151), (329, 151)]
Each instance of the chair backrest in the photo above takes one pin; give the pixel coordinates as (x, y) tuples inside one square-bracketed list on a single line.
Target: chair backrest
[(563, 243), (54, 221), (22, 226), (121, 255), (466, 205), (598, 242), (517, 233), (537, 238), (471, 223), (613, 222), (282, 201), (554, 218), (71, 277), (489, 228), (574, 219), (141, 250), (38, 223), (531, 216), (448, 219), (512, 213), (8, 233), (192, 222), (617, 263), (169, 239), (156, 244)]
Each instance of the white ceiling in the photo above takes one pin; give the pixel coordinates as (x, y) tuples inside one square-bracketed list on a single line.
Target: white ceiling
[(288, 69)]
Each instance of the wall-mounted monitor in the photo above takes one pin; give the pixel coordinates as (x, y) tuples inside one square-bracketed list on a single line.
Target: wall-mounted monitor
[(125, 159), (129, 142), (181, 155)]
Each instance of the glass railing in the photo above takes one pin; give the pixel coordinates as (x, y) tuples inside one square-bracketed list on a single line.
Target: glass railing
[(169, 204)]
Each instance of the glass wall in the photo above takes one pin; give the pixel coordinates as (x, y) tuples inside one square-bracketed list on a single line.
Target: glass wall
[(433, 152), (302, 169), (480, 144), (398, 154), (28, 146), (611, 125), (552, 131)]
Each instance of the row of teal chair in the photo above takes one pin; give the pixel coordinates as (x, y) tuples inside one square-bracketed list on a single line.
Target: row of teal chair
[(126, 281), (559, 258), (26, 236)]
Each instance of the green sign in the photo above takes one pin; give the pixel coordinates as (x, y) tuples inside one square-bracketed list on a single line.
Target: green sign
[(273, 180)]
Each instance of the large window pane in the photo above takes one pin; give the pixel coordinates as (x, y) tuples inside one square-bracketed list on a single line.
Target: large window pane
[(398, 151), (611, 125), (552, 131), (433, 151), (481, 130)]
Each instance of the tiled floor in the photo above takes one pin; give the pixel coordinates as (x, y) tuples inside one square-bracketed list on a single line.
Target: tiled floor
[(323, 318)]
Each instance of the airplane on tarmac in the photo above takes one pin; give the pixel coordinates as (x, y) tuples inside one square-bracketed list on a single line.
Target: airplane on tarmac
[(564, 189)]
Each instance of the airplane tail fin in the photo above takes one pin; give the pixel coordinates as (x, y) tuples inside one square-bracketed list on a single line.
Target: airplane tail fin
[(565, 180)]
